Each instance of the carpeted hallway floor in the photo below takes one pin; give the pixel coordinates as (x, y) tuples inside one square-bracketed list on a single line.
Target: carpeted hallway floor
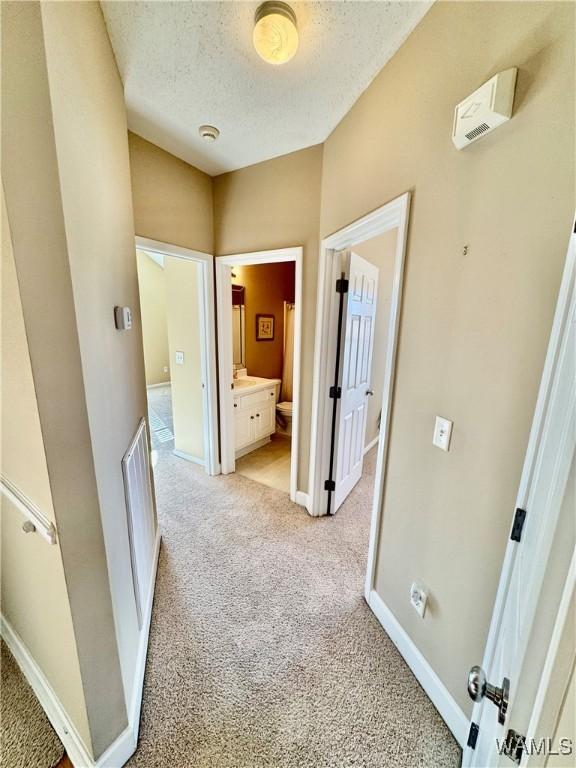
[(262, 649)]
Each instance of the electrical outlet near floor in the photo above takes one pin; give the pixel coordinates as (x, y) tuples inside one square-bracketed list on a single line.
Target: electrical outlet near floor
[(418, 598)]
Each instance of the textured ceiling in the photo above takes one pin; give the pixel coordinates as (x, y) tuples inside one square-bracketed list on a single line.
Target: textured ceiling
[(188, 63)]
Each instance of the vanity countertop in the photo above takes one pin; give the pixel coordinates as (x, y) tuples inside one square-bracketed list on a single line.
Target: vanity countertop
[(247, 384)]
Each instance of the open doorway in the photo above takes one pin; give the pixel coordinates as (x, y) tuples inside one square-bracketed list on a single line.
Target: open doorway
[(176, 303), (259, 309)]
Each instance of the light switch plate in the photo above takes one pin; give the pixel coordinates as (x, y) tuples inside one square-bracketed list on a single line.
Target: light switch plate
[(418, 598), (179, 358), (123, 318), (442, 433)]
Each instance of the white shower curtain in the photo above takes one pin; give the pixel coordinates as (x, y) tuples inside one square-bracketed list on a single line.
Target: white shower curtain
[(286, 392)]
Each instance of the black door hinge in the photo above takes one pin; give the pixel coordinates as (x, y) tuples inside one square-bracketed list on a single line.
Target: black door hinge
[(341, 285), (329, 485), (518, 524), (336, 392), (472, 736)]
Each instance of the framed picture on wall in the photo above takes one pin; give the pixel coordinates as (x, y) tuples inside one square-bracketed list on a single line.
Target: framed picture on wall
[(264, 327)]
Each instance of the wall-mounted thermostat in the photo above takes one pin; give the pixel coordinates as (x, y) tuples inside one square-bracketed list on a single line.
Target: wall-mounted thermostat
[(123, 318)]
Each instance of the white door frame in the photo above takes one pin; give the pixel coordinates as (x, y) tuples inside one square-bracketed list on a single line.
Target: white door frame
[(392, 215), (224, 310), (207, 341), (553, 399)]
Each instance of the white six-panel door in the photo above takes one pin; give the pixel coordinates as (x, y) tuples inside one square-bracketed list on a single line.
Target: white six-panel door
[(358, 332)]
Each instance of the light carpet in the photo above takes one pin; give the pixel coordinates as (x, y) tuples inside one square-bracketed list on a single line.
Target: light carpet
[(263, 651), (27, 740)]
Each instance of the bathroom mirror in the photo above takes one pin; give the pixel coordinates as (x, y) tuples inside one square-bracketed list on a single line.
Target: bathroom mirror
[(238, 327)]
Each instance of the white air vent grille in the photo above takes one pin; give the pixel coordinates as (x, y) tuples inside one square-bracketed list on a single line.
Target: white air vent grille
[(141, 518), (478, 131)]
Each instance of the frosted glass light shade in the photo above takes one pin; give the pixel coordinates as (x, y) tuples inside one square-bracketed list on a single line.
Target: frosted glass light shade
[(275, 32)]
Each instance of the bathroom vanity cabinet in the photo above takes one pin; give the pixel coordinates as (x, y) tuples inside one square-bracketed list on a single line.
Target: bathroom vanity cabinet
[(255, 401)]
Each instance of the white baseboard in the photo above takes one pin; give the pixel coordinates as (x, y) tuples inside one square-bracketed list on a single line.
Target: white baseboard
[(371, 444), (217, 469), (160, 384), (302, 499), (449, 710), (188, 457), (312, 510), (80, 756)]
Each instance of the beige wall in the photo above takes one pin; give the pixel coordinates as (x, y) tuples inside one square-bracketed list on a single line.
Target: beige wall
[(275, 204), (379, 251), (474, 328), (172, 200), (268, 286), (34, 594), (152, 291), (67, 184), (94, 172), (183, 311)]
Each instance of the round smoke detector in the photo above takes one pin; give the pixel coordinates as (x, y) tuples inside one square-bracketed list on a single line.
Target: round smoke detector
[(208, 132)]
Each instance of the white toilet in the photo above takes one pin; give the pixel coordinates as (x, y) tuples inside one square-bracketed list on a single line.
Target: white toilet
[(284, 418)]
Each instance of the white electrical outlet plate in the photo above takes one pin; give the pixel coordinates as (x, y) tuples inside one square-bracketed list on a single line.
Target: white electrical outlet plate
[(442, 433), (179, 358), (418, 598)]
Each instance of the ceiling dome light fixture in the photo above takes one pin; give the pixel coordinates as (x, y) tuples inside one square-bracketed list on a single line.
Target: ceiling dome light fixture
[(275, 32), (208, 132)]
